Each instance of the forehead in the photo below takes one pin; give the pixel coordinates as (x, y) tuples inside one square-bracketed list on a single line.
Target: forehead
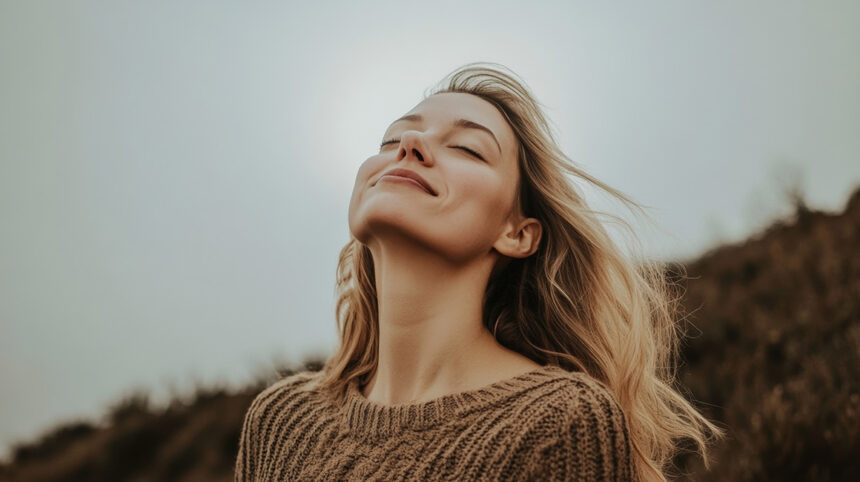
[(445, 107), (458, 104)]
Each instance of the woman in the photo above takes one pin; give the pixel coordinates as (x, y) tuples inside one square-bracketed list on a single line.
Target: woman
[(489, 327)]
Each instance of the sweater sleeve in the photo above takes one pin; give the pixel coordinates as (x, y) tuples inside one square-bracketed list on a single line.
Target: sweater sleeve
[(592, 443), (245, 458), (252, 445)]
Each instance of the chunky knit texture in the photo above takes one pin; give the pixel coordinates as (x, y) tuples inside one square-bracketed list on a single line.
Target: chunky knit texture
[(548, 424)]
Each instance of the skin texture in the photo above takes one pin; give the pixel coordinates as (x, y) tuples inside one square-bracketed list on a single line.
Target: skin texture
[(433, 255)]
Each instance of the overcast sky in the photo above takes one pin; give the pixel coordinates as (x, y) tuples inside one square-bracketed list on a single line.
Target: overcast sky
[(175, 176)]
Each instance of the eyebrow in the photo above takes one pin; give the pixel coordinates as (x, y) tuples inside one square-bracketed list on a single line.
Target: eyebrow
[(462, 123)]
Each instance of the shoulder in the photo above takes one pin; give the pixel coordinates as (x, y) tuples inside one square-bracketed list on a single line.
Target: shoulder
[(570, 396), (580, 395), (570, 402), (277, 392), (582, 431), (584, 405), (279, 397)]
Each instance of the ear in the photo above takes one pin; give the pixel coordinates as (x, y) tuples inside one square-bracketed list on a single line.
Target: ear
[(519, 240)]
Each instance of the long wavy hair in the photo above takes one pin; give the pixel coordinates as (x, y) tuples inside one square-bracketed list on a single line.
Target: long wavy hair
[(578, 302)]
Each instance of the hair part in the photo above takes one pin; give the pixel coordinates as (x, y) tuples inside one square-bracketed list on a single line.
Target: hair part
[(577, 302)]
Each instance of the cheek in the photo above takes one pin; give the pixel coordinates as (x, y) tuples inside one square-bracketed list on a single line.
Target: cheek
[(473, 217), (482, 198), (482, 186), (370, 167), (367, 167), (363, 176)]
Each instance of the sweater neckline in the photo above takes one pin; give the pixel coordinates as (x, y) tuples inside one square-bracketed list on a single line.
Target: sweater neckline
[(370, 418)]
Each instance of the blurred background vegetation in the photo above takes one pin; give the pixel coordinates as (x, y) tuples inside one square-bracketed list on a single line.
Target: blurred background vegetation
[(771, 353)]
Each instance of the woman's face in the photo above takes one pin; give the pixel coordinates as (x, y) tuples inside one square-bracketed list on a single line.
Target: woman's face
[(472, 194)]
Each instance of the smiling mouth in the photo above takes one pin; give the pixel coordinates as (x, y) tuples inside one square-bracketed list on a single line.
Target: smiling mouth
[(403, 180)]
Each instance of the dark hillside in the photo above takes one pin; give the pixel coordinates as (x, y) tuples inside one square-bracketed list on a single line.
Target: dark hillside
[(775, 349), (186, 441)]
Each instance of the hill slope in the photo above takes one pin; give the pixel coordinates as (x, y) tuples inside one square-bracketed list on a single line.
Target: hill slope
[(777, 359)]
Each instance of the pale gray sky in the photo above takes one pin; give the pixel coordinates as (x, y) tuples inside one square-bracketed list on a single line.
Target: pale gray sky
[(175, 176)]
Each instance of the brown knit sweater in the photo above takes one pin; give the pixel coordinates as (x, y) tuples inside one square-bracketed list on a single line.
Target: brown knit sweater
[(547, 424)]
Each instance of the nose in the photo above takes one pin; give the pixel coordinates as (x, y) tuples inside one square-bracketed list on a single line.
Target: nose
[(412, 144)]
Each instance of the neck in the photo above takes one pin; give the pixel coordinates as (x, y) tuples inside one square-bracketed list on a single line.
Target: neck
[(432, 340)]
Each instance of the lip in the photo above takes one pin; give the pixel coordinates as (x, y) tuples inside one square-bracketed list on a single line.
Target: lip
[(400, 172)]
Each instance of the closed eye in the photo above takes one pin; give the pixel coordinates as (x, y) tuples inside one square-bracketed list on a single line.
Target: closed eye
[(470, 151)]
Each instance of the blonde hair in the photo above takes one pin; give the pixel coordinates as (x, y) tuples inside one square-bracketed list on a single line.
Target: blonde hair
[(577, 302)]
